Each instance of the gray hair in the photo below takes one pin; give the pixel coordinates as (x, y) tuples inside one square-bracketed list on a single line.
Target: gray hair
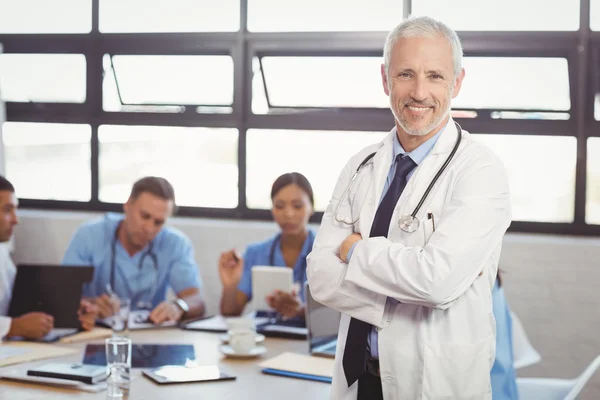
[(428, 27)]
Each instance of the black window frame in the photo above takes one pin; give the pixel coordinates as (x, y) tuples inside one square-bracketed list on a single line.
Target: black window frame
[(581, 48)]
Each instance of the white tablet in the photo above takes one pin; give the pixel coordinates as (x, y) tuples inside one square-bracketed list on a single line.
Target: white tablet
[(266, 280)]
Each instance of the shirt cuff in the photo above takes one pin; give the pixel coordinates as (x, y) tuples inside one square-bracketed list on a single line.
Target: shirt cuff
[(5, 323), (349, 255)]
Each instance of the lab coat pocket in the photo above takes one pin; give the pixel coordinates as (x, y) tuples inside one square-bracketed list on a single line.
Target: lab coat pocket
[(428, 227), (457, 372)]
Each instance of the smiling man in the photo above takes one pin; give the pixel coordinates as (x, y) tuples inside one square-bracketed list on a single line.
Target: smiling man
[(137, 257), (412, 260)]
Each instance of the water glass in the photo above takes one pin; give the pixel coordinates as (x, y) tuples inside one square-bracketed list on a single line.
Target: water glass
[(120, 321), (118, 364)]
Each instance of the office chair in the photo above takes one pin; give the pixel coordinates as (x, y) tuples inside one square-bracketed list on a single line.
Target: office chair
[(555, 389), (524, 354)]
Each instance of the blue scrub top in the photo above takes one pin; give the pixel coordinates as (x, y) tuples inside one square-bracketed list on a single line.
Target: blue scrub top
[(504, 384), (92, 244), (260, 254)]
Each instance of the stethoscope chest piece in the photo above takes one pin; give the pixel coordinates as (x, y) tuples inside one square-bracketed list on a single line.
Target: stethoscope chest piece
[(408, 223)]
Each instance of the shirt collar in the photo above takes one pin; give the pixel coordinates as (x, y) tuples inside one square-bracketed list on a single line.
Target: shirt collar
[(418, 154)]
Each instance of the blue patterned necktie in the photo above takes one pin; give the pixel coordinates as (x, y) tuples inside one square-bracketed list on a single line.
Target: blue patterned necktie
[(355, 353)]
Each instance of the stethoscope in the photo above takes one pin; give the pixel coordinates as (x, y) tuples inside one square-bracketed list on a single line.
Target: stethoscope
[(148, 253), (408, 223)]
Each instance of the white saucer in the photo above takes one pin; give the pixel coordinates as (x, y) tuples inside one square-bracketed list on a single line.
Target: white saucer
[(254, 352), (225, 338)]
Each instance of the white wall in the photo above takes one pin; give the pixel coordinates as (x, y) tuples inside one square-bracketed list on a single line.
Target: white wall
[(551, 282)]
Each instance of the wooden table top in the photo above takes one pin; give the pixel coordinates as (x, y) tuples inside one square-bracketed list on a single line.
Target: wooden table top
[(251, 383)]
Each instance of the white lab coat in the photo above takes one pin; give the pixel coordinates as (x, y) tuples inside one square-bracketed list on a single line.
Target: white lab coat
[(439, 342)]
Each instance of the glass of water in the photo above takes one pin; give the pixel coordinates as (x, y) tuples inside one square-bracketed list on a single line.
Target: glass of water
[(120, 321), (118, 364)]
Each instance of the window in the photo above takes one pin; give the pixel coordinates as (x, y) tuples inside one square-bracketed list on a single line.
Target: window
[(43, 16), (200, 163), (169, 16), (518, 83), (316, 15), (48, 161), (505, 15), (43, 78), (323, 81), (163, 81), (271, 153), (592, 206), (541, 173), (595, 15)]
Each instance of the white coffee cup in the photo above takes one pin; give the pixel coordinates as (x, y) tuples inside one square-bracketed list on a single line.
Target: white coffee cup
[(240, 324), (242, 341)]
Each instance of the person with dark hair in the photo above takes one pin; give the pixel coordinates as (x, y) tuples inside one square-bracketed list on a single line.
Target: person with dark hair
[(137, 257), (293, 205), (32, 325)]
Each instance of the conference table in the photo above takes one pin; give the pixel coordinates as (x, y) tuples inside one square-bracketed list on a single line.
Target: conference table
[(251, 383)]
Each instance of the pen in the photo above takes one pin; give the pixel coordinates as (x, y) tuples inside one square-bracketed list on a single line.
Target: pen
[(111, 292), (430, 216)]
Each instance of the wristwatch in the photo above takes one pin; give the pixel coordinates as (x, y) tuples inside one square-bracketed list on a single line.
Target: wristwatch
[(182, 305)]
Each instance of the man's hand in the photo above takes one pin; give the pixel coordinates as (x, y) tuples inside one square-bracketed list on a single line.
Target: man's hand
[(87, 313), (33, 325), (107, 306), (347, 245), (287, 304), (166, 311)]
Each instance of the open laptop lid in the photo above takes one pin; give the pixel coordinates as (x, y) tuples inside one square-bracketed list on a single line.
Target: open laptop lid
[(322, 322), (52, 289)]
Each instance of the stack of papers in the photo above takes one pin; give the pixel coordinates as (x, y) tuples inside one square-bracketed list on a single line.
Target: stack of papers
[(20, 352), (300, 366)]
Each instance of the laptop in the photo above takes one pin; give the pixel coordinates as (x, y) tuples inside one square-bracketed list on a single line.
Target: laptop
[(52, 289), (322, 324)]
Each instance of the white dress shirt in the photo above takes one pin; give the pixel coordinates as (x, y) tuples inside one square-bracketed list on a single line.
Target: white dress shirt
[(7, 278)]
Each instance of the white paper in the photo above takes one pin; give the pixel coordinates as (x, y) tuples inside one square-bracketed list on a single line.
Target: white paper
[(218, 323), (7, 351), (137, 320)]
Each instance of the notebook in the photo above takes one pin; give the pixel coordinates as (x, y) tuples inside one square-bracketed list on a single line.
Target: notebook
[(300, 366)]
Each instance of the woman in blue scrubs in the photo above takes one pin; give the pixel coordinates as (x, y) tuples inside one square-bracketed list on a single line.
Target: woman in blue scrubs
[(293, 205), (504, 385)]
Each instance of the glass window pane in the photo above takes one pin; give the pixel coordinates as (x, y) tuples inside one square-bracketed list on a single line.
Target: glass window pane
[(200, 163), (595, 15), (518, 83), (48, 161), (169, 16), (264, 164), (318, 15), (167, 80), (43, 16), (42, 78), (505, 15), (324, 81), (592, 207), (542, 189)]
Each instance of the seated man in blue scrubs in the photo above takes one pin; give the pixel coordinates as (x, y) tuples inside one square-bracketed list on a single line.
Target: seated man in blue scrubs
[(292, 198), (504, 384), (136, 257)]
